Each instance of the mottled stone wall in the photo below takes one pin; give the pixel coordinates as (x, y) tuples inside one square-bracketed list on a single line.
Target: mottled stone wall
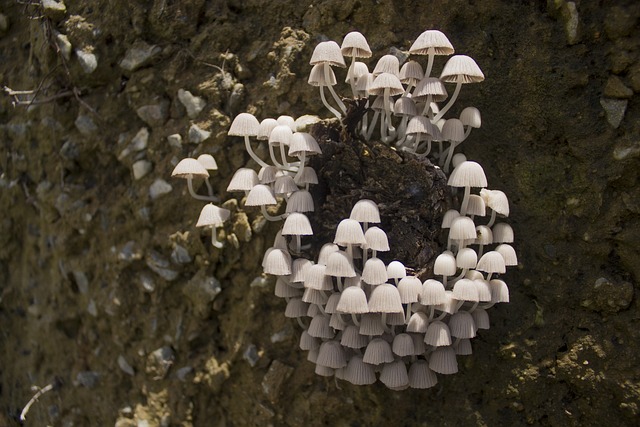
[(108, 290)]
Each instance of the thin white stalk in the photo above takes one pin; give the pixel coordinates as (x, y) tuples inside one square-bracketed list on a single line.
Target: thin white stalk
[(326, 104), (327, 69), (449, 104), (196, 196), (258, 160)]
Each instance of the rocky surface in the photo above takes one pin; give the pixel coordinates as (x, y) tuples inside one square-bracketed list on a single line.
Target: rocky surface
[(110, 293)]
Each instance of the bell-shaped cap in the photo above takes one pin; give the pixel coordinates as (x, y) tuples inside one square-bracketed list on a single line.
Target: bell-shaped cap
[(317, 76), (443, 361), (462, 228), (433, 293), (189, 168), (208, 162), (468, 174), (353, 300), (430, 86), (409, 288), (244, 124), (355, 45), (307, 342), (351, 338), (499, 291), (491, 262), (365, 210), (502, 233), (303, 142), (277, 262), (339, 264), (265, 128), (448, 218), (431, 42), (213, 216), (445, 264), (319, 327), (476, 206), (326, 250), (299, 268), (308, 176), (371, 324), (466, 258), (349, 232), (268, 174), (420, 376), (396, 270), (411, 72), (385, 298), (327, 53), (405, 106), (378, 352), (300, 201), (374, 272), (419, 322), (403, 345), (508, 253), (297, 224), (465, 290), (470, 116), (296, 308), (376, 240), (315, 278), (437, 334), (387, 64), (461, 325), (331, 355), (453, 130), (386, 82), (461, 69), (260, 195), (394, 375), (358, 372), (462, 347), (496, 200), (481, 318)]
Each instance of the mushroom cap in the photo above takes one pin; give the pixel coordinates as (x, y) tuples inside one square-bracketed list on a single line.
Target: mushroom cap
[(378, 352), (339, 264), (466, 258), (508, 253), (481, 318), (268, 174), (484, 236), (484, 289), (265, 128), (374, 272), (303, 142), (326, 250), (461, 69), (403, 345), (445, 264), (285, 290), (411, 72), (419, 322), (405, 106), (462, 346), (431, 41), (299, 268), (496, 200), (420, 125), (433, 293), (387, 64), (319, 327), (327, 53), (314, 296), (371, 324), (308, 176), (384, 82), (450, 305), (502, 233), (468, 174), (244, 179), (359, 373), (188, 168), (244, 124), (462, 228), (476, 206), (208, 162), (396, 270), (420, 376), (300, 201), (287, 121), (376, 239), (307, 342), (351, 338), (385, 298), (260, 195), (353, 300), (349, 232), (448, 217), (211, 215), (499, 291), (318, 78), (457, 159), (394, 375), (355, 44), (297, 224), (331, 355), (380, 101), (430, 86), (281, 134), (453, 130), (359, 70), (470, 116), (285, 184), (315, 277), (437, 334), (465, 290), (277, 262), (443, 361), (365, 210), (364, 83), (409, 288), (491, 262), (296, 308), (461, 325)]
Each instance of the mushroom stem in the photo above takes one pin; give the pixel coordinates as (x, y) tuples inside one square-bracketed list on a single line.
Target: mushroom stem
[(273, 157), (339, 280), (376, 114), (355, 320), (450, 103), (327, 79), (198, 196), (303, 159), (301, 323), (258, 160), (428, 150), (387, 100), (474, 306), (214, 238), (350, 76), (268, 217), (465, 201), (431, 56), (408, 316), (427, 107), (450, 151), (284, 157), (326, 104), (493, 219)]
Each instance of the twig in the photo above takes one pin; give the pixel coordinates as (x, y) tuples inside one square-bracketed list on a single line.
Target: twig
[(40, 392)]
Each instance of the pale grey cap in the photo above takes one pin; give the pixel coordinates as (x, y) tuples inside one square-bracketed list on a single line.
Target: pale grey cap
[(443, 361), (411, 72), (339, 264), (374, 272), (502, 233), (403, 345), (189, 168), (319, 327), (388, 64), (499, 291), (481, 318), (461, 69), (466, 258), (430, 86), (300, 201), (314, 296), (431, 41), (463, 347), (268, 174), (492, 262), (212, 216), (470, 116), (353, 300), (376, 239), (284, 185), (378, 351), (349, 232), (396, 270), (437, 334), (462, 228), (445, 264), (285, 290), (394, 375), (420, 376), (337, 322), (308, 176), (484, 289), (385, 298), (296, 308), (299, 268), (365, 210), (468, 174), (358, 372), (277, 262), (465, 290), (508, 253), (207, 161), (371, 324), (327, 52), (324, 371), (461, 325), (409, 288), (355, 44), (433, 293), (315, 277), (244, 124), (419, 322), (265, 128), (351, 338), (331, 355), (260, 195), (307, 342), (386, 82)]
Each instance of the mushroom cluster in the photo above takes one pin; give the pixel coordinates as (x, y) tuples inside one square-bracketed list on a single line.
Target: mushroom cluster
[(364, 320)]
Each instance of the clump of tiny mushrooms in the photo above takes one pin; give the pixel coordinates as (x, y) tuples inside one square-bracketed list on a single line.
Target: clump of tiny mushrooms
[(364, 320)]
